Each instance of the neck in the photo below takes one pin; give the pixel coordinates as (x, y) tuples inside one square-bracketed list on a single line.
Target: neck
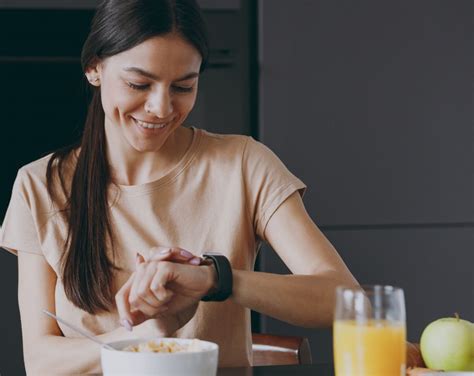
[(132, 167)]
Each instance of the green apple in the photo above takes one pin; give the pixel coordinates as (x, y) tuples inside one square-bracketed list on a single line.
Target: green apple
[(447, 344)]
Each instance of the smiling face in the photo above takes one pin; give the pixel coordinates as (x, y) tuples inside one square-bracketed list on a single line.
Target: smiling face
[(148, 91)]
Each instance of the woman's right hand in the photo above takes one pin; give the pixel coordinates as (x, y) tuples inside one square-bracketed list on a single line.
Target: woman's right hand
[(166, 287)]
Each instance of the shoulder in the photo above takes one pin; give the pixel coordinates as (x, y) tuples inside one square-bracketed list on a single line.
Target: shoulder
[(35, 168), (237, 149), (220, 140), (30, 185), (33, 173), (233, 144), (227, 146), (32, 181)]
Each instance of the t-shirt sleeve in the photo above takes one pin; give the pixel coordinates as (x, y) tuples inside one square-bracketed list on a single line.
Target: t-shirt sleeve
[(19, 230), (268, 183)]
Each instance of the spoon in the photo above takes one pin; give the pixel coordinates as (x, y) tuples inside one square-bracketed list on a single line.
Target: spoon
[(80, 331)]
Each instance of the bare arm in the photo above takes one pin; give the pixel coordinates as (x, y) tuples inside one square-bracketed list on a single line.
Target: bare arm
[(45, 349), (307, 297)]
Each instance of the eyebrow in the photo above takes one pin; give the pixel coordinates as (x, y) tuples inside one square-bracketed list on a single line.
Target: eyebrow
[(155, 77)]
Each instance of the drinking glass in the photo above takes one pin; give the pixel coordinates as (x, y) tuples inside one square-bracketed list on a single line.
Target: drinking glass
[(369, 331)]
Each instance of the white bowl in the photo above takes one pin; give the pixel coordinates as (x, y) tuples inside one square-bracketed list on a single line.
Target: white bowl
[(199, 363)]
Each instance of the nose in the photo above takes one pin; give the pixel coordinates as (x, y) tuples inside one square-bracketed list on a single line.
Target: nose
[(159, 104)]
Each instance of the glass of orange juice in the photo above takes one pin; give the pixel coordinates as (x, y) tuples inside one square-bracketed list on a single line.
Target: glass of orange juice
[(369, 331)]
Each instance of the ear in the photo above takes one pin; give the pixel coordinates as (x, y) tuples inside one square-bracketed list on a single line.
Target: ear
[(93, 74)]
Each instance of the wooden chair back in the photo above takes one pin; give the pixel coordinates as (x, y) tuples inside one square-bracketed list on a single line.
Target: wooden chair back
[(269, 349)]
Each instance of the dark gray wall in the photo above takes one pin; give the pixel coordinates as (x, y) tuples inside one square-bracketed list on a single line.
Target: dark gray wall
[(370, 103)]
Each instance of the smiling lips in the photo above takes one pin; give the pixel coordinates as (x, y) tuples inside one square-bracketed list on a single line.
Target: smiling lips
[(147, 125)]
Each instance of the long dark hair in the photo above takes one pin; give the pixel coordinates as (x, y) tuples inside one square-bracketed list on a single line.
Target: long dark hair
[(118, 25)]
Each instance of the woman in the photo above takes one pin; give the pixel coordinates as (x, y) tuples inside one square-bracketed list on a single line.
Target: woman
[(140, 182)]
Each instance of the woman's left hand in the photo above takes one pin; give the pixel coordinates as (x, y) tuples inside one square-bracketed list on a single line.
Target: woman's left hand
[(164, 288)]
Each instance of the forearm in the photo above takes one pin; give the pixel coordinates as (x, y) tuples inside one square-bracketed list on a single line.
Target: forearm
[(302, 300), (62, 355), (57, 355)]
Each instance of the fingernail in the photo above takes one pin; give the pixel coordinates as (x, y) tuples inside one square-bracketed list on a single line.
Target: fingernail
[(195, 261), (186, 254), (126, 324), (161, 296), (165, 251)]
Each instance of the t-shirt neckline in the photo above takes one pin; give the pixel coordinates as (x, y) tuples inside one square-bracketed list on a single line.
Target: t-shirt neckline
[(170, 176)]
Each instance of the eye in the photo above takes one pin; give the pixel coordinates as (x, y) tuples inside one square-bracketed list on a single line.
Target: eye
[(138, 87), (183, 89)]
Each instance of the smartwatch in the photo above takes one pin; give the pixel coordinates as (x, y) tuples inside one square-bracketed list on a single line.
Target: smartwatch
[(224, 277)]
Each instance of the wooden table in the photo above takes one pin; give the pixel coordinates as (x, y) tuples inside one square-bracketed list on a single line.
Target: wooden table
[(302, 370)]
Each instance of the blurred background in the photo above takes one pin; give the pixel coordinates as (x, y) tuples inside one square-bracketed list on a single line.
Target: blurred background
[(369, 102)]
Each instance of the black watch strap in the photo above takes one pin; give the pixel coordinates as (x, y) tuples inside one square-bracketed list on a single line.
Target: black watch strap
[(224, 278)]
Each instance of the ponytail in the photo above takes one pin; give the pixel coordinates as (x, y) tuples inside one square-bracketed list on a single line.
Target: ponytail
[(86, 270)]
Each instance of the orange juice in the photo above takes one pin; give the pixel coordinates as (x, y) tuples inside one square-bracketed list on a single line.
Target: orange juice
[(372, 348)]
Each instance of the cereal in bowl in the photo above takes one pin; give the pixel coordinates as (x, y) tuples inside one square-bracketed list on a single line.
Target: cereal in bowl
[(165, 347)]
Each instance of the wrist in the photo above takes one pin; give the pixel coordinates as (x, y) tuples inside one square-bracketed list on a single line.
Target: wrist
[(159, 326), (222, 280), (212, 280)]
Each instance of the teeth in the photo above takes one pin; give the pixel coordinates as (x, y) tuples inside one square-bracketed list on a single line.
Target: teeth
[(149, 125)]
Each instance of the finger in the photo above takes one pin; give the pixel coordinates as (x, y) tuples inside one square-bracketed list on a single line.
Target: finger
[(129, 316), (138, 276), (148, 310), (140, 297), (159, 253), (144, 291), (174, 254), (161, 293), (127, 319), (163, 275), (196, 261), (139, 259)]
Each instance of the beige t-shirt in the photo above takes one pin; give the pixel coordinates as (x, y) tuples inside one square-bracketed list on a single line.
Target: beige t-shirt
[(218, 198)]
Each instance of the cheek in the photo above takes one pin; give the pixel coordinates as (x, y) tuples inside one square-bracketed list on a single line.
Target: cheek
[(117, 101), (185, 105)]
